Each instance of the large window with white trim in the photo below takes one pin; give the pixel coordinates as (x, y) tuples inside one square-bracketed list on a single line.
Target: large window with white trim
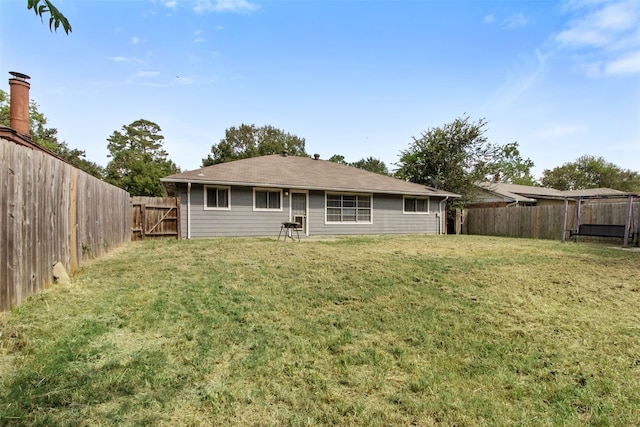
[(418, 205), (216, 197), (267, 199), (348, 208)]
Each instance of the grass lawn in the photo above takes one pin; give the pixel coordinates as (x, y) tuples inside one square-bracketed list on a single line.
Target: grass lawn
[(359, 331)]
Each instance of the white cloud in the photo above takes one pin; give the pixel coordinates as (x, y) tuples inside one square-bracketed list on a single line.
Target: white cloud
[(172, 4), (118, 58), (569, 5), (135, 40), (489, 19), (200, 80), (601, 27), (518, 82), (583, 36), (198, 36), (147, 73), (557, 131), (515, 20), (604, 36), (625, 65), (184, 80), (236, 6)]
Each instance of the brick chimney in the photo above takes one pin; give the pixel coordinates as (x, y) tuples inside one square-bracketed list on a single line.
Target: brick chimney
[(19, 106)]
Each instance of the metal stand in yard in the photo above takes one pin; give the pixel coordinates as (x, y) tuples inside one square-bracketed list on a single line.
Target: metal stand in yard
[(288, 228)]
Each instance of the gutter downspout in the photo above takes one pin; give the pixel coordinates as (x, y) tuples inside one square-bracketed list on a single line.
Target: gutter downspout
[(188, 210), (441, 223)]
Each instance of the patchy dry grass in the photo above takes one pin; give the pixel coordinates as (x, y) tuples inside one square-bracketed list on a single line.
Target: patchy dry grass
[(375, 331)]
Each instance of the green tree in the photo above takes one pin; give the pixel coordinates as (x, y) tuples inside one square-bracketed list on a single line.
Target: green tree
[(138, 160), (511, 168), (77, 158), (369, 164), (251, 141), (337, 158), (591, 172), (458, 155), (56, 18), (372, 165), (47, 137)]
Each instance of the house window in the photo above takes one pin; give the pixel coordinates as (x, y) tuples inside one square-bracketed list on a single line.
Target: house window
[(267, 199), (217, 197), (348, 208), (416, 205)]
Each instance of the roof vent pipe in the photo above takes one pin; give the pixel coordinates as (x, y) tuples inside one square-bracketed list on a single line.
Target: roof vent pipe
[(19, 104), (316, 156)]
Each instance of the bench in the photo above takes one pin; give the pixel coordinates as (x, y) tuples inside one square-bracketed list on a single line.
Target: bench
[(600, 230)]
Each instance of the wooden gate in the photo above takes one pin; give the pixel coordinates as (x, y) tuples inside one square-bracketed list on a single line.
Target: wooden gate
[(155, 218)]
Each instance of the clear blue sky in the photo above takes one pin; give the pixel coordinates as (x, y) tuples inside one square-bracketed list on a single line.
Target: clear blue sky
[(356, 78)]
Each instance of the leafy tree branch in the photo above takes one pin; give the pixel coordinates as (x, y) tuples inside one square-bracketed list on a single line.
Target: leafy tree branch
[(456, 156), (56, 18)]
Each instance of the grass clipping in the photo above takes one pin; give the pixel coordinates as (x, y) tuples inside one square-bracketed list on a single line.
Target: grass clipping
[(376, 331)]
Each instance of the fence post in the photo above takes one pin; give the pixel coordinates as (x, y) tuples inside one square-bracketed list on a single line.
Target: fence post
[(143, 222), (564, 219), (458, 221), (627, 225), (178, 219), (73, 220)]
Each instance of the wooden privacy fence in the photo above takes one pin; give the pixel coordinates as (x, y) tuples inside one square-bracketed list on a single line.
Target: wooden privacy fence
[(155, 218), (544, 222), (52, 212)]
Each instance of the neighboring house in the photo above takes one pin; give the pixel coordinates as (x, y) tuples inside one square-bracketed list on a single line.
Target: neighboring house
[(498, 194), (254, 196)]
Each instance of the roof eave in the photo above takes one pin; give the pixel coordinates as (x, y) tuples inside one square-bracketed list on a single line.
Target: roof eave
[(313, 188)]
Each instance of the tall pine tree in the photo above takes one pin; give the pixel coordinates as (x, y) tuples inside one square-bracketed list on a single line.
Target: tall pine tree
[(138, 160)]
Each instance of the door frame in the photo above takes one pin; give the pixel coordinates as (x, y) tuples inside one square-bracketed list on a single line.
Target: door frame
[(305, 226)]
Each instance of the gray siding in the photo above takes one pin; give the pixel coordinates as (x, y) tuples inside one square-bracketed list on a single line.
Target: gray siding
[(242, 220), (387, 216)]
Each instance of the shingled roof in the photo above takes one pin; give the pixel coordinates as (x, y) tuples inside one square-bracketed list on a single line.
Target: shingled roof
[(301, 173), (528, 193), (521, 193)]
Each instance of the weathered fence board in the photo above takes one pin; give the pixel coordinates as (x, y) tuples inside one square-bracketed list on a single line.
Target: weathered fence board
[(155, 218), (52, 212), (545, 222)]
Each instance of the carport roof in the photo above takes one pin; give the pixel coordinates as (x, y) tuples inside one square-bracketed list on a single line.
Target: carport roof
[(529, 193)]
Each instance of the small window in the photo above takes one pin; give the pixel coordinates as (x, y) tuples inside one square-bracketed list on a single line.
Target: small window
[(217, 197), (265, 199), (416, 205)]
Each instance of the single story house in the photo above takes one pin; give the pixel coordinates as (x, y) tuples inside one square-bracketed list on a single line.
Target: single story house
[(499, 194), (254, 196)]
